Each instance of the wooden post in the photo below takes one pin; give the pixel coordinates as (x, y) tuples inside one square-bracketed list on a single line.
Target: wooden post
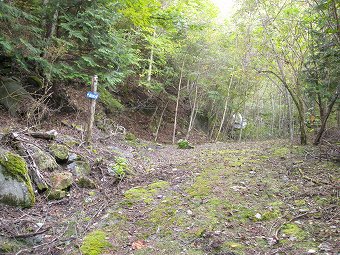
[(92, 110)]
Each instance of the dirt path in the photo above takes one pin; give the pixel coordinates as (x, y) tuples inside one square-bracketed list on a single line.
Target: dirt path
[(234, 198), (247, 198)]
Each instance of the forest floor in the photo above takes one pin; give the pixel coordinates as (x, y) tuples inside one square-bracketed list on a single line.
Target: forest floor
[(221, 198)]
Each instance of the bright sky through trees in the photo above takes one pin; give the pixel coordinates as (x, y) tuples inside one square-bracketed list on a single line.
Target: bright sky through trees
[(225, 7)]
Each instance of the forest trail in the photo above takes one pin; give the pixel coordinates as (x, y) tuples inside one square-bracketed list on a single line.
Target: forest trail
[(235, 198), (221, 198)]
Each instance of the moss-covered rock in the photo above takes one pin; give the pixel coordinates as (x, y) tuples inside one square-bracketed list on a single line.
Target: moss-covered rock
[(56, 194), (14, 96), (61, 181), (15, 184), (111, 104), (130, 137), (86, 182), (60, 152), (43, 160), (80, 168)]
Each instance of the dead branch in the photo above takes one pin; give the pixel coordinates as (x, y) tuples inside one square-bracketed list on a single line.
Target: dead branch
[(303, 176), (31, 234), (49, 135)]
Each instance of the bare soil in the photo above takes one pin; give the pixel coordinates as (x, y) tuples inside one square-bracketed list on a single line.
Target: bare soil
[(221, 198)]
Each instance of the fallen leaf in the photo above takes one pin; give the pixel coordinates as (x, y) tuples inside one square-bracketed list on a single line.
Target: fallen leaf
[(137, 245)]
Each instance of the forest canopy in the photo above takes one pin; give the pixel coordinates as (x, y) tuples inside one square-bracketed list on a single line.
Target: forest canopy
[(275, 62)]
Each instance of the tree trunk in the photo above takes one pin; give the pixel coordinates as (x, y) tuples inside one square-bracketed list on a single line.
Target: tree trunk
[(273, 116), (177, 103), (151, 60), (192, 115), (225, 109), (290, 118), (324, 122), (321, 108), (160, 122), (300, 107), (50, 24)]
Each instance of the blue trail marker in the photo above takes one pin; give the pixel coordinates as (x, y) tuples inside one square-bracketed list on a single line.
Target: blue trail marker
[(92, 95)]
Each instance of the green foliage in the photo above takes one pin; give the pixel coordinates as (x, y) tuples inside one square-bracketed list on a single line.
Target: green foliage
[(120, 168), (86, 42), (184, 144), (112, 104)]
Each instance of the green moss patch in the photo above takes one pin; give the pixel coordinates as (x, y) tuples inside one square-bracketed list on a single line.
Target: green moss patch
[(111, 104), (56, 194), (281, 152), (203, 185), (130, 137), (271, 215), (60, 152), (294, 230), (16, 167), (144, 194), (159, 185), (95, 243)]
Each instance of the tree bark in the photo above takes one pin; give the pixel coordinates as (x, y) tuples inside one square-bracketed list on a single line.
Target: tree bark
[(160, 122), (192, 115), (177, 103), (324, 122), (290, 118), (151, 60), (298, 103), (225, 109)]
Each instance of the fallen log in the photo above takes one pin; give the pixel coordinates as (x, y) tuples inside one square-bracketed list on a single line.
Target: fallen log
[(49, 135)]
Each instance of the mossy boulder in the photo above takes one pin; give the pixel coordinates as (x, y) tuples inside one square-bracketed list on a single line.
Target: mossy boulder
[(61, 181), (80, 168), (130, 137), (56, 194), (86, 182), (14, 97), (15, 184), (43, 160), (111, 103), (60, 152)]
